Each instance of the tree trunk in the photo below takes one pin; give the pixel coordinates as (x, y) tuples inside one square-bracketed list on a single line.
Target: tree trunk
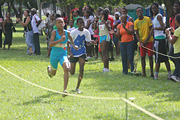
[(20, 10), (15, 10), (0, 10), (9, 7), (169, 9)]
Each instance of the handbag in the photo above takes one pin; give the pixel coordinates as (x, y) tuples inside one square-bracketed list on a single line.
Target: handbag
[(41, 25), (13, 29)]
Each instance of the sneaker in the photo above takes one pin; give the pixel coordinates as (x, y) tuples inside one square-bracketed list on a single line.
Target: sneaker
[(175, 78), (105, 70), (64, 95), (78, 91), (48, 70)]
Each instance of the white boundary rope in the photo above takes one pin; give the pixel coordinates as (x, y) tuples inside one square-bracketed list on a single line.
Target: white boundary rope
[(161, 53), (90, 97)]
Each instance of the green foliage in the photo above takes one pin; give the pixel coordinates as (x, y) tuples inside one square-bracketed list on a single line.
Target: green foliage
[(142, 2)]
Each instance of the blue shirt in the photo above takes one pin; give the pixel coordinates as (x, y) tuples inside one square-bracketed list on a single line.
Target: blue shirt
[(60, 48)]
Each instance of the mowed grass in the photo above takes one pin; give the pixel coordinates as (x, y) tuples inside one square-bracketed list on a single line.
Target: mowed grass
[(20, 100)]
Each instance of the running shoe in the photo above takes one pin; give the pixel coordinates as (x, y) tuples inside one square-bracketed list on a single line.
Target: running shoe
[(78, 91), (48, 70), (64, 95), (175, 78)]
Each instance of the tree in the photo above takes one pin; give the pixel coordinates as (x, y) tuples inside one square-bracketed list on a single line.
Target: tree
[(169, 9)]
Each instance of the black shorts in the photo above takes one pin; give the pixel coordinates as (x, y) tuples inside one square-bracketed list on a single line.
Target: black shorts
[(75, 59), (160, 47)]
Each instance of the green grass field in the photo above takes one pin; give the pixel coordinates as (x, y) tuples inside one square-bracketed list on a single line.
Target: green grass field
[(20, 100)]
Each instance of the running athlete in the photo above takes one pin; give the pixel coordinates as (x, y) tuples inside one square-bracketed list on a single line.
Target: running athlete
[(58, 42), (79, 36)]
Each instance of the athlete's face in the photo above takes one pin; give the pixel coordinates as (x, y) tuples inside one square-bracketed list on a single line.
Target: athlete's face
[(60, 23), (80, 24)]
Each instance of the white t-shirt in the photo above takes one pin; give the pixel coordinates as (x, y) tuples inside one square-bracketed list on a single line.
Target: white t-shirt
[(79, 38), (34, 21), (71, 29), (47, 20)]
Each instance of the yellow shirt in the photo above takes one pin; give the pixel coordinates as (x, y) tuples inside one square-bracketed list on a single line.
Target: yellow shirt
[(177, 43), (143, 27)]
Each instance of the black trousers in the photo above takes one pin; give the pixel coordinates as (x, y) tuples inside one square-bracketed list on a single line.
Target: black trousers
[(0, 38), (36, 43)]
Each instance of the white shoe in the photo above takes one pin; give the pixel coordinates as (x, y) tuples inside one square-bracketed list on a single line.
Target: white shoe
[(49, 73), (105, 70), (78, 91), (65, 91), (175, 78)]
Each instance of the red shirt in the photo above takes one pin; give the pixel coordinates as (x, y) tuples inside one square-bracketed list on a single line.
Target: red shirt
[(112, 26), (65, 19), (172, 22)]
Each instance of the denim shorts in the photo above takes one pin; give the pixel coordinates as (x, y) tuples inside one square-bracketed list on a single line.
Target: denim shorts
[(104, 38)]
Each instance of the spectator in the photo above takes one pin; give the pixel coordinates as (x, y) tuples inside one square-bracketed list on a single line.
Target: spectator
[(28, 32), (111, 43), (126, 30), (176, 10), (96, 35), (88, 26), (7, 28), (71, 28), (159, 41), (1, 29), (75, 17), (35, 23), (142, 27), (65, 18), (117, 21), (104, 28), (129, 18), (50, 25), (175, 40)]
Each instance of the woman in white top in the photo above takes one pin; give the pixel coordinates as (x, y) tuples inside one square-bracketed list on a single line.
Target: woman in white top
[(159, 40), (88, 26)]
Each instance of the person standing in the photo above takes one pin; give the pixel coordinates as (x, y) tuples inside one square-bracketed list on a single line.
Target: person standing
[(65, 18), (7, 28), (35, 23), (159, 41), (50, 26), (1, 29), (176, 10), (88, 26), (142, 27), (126, 30), (28, 32), (117, 21), (104, 28), (175, 40), (75, 17)]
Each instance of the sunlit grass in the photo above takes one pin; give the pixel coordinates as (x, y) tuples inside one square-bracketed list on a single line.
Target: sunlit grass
[(20, 100)]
